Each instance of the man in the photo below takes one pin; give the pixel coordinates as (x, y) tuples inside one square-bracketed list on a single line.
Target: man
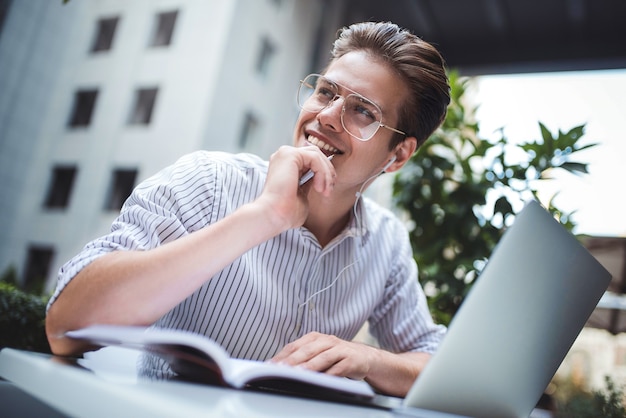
[(235, 248)]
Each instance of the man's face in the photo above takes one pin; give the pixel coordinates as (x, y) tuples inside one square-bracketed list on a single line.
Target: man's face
[(355, 161)]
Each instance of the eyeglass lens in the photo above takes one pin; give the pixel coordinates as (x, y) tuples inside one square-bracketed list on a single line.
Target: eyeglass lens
[(360, 117)]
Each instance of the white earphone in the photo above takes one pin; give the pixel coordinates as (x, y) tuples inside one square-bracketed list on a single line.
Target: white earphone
[(391, 161)]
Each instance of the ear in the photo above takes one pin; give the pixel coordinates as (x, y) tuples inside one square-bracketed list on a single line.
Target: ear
[(403, 153)]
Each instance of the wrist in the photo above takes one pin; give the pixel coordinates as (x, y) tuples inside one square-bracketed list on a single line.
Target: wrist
[(268, 220), (276, 214)]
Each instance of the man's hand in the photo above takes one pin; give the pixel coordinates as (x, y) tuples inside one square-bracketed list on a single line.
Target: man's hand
[(287, 202), (329, 354), (388, 373)]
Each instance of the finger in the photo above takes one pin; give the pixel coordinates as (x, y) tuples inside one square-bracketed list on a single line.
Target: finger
[(341, 367), (325, 181), (324, 360), (303, 349), (345, 360)]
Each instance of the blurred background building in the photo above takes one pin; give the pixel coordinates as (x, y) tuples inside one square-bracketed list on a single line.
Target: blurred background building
[(96, 96)]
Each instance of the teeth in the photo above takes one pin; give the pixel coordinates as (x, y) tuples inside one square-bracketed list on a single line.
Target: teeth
[(322, 145)]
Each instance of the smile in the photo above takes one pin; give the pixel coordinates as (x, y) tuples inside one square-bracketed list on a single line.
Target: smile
[(322, 145)]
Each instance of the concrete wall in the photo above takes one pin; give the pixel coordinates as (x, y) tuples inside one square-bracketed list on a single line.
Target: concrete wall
[(207, 82)]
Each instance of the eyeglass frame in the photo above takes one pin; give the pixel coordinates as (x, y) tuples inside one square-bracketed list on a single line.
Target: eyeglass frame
[(343, 106)]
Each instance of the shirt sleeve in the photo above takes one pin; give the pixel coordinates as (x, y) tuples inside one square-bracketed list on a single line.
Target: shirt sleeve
[(163, 208), (403, 322)]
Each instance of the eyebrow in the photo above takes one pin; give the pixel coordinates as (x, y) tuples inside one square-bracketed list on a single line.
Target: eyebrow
[(352, 91)]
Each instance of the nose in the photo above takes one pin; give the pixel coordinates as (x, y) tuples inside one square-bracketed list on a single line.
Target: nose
[(330, 116)]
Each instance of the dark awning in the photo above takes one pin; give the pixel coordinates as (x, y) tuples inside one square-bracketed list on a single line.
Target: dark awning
[(510, 36)]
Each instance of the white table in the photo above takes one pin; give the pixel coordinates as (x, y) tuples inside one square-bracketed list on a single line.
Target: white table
[(85, 388)]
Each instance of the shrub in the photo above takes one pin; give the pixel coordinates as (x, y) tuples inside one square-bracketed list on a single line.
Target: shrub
[(22, 319), (583, 404)]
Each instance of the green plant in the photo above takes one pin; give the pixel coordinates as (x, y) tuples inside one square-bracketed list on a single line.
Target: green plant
[(460, 190), (22, 319), (9, 276), (578, 403)]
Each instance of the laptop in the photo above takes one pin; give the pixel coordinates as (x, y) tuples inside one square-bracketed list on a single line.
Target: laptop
[(516, 325)]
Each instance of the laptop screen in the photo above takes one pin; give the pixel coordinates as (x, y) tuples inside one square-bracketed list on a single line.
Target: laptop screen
[(516, 325)]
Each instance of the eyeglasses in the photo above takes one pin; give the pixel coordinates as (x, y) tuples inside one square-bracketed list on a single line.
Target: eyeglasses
[(360, 117)]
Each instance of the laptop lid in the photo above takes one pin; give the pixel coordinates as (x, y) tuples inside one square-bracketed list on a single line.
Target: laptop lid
[(516, 325)]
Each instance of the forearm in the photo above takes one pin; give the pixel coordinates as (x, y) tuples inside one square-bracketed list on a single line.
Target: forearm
[(138, 287), (394, 374)]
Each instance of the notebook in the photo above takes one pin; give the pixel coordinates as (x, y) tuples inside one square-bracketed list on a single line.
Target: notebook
[(516, 325)]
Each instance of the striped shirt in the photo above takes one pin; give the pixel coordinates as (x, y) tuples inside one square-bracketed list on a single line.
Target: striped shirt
[(289, 285)]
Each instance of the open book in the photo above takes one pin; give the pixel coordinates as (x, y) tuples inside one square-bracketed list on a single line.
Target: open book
[(197, 358)]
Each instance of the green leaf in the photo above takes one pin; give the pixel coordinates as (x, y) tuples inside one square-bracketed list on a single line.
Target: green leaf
[(546, 135), (443, 190), (503, 206), (575, 168)]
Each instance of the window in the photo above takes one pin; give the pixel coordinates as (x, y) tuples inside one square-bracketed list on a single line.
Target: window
[(164, 28), (249, 130), (144, 104), (266, 54), (122, 184), (105, 32), (4, 11), (60, 187), (38, 262), (84, 104)]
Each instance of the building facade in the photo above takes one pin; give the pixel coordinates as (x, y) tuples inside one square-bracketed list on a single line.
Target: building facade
[(97, 95)]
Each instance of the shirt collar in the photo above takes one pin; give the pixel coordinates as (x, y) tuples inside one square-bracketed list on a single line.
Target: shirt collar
[(357, 226)]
